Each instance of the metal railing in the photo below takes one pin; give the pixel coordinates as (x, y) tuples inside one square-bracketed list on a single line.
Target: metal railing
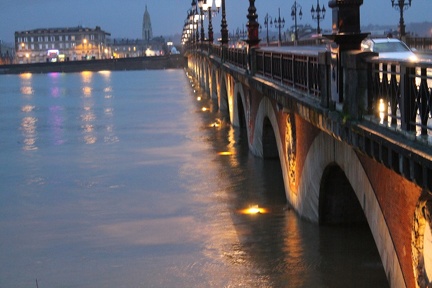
[(298, 71), (401, 95), (238, 57), (421, 44)]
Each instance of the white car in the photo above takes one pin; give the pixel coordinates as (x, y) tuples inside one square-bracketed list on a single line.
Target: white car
[(389, 48)]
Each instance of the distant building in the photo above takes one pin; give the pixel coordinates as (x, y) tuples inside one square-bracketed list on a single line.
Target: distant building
[(147, 46), (125, 48), (61, 44), (147, 32)]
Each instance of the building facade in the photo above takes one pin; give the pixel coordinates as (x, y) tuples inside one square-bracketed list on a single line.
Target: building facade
[(61, 44)]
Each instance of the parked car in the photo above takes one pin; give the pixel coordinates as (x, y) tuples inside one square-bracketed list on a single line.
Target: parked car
[(389, 48)]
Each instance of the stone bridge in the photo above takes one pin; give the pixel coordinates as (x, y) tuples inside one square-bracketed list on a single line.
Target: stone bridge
[(354, 150)]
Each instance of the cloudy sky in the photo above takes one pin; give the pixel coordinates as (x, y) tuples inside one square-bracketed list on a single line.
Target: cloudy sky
[(123, 18)]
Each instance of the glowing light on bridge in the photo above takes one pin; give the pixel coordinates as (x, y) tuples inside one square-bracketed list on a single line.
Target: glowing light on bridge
[(381, 110), (205, 109), (253, 210), (225, 153)]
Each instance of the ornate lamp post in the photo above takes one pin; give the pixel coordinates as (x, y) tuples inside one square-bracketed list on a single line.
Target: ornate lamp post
[(318, 14), (208, 6), (200, 6), (401, 5), (294, 9), (224, 26), (195, 17), (268, 21), (279, 23), (252, 25)]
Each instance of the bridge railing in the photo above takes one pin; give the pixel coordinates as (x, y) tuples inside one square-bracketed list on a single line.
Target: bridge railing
[(400, 95), (238, 57), (419, 43), (298, 71)]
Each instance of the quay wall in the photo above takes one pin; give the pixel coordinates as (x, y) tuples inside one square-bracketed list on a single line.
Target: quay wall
[(137, 63)]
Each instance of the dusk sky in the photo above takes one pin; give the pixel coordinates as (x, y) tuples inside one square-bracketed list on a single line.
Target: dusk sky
[(123, 19)]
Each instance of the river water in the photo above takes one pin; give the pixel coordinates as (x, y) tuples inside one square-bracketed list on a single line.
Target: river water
[(121, 179)]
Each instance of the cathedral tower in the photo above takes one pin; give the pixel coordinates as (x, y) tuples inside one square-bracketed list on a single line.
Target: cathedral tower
[(147, 33)]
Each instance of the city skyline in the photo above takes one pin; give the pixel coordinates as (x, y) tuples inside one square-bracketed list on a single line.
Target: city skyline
[(124, 19)]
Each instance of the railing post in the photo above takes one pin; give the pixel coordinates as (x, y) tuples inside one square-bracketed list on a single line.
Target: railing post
[(252, 61), (407, 109), (355, 84), (324, 75)]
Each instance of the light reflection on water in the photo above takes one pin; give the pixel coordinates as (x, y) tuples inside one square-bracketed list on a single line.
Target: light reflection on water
[(156, 203)]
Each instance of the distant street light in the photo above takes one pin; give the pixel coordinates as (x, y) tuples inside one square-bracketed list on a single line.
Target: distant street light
[(401, 5), (294, 9), (279, 23), (318, 14), (268, 21)]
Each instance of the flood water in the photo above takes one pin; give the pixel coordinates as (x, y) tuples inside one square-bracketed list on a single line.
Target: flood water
[(121, 179)]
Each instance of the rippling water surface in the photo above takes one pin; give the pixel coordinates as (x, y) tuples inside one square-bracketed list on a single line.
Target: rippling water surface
[(121, 179)]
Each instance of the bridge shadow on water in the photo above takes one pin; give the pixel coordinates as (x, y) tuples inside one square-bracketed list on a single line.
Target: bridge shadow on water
[(278, 248)]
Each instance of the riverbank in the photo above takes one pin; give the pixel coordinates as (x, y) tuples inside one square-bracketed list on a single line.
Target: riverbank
[(137, 63)]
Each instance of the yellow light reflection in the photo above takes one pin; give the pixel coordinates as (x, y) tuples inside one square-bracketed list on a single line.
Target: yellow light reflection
[(253, 210), (26, 90), (27, 108), (86, 76), (25, 75), (225, 153), (199, 98), (87, 91), (205, 109)]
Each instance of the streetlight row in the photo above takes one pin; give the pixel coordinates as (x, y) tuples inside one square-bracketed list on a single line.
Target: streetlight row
[(199, 7)]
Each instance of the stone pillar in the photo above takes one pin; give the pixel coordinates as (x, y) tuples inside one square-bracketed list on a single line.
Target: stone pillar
[(355, 79), (346, 36)]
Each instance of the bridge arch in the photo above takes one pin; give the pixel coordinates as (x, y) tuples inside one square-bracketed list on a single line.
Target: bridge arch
[(265, 119), (338, 203), (327, 155)]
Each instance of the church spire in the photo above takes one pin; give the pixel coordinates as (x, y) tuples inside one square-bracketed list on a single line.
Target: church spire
[(147, 33)]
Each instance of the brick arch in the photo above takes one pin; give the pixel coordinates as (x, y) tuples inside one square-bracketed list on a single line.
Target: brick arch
[(326, 151)]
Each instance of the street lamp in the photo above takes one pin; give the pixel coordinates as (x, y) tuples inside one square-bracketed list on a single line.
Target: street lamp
[(208, 6), (401, 5), (318, 14), (224, 26), (268, 21), (279, 23), (252, 25), (294, 9), (200, 6)]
